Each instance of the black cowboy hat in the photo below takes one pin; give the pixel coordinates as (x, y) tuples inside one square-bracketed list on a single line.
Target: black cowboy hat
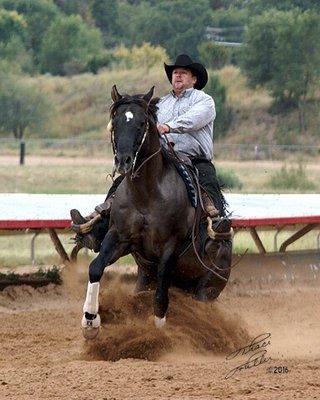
[(184, 61)]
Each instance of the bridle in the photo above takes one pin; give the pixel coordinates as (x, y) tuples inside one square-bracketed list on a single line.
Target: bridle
[(134, 172)]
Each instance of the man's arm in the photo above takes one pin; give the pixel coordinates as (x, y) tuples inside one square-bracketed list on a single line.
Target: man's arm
[(199, 115)]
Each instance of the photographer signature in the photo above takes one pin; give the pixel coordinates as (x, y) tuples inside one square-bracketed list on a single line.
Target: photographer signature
[(257, 346)]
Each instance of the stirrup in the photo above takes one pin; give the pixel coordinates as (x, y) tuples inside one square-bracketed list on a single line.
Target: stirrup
[(220, 230)]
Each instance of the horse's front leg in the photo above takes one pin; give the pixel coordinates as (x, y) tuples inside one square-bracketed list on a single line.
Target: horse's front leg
[(111, 250), (161, 298)]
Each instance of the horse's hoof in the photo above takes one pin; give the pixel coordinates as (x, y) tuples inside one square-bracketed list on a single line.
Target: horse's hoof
[(159, 322), (90, 327)]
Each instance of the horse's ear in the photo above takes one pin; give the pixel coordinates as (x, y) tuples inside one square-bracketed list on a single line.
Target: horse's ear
[(147, 97), (115, 95)]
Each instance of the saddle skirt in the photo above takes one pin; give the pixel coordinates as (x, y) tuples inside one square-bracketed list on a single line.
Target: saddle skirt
[(187, 172)]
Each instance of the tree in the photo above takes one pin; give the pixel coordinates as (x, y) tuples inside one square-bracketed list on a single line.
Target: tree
[(69, 45), (38, 15), (13, 33), (22, 107), (75, 7), (259, 46), (14, 58), (260, 6), (176, 25), (282, 52), (105, 14), (224, 113), (11, 24)]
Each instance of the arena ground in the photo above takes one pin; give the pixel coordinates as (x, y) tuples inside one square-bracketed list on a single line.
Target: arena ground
[(44, 356)]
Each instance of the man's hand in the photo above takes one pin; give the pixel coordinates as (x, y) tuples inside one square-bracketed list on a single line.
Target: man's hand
[(163, 129)]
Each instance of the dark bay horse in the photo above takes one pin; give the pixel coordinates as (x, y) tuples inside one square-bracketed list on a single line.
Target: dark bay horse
[(151, 217)]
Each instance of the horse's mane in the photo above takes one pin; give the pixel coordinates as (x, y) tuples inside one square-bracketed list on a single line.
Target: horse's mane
[(151, 108)]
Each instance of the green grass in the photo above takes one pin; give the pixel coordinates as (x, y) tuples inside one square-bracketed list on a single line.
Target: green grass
[(15, 250), (243, 241), (255, 176), (229, 179), (89, 175), (59, 179), (294, 177)]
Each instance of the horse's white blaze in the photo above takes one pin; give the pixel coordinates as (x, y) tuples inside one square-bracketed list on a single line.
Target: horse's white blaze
[(159, 322), (91, 304), (128, 115)]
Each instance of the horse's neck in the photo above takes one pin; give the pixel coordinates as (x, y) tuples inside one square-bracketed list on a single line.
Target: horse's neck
[(150, 174)]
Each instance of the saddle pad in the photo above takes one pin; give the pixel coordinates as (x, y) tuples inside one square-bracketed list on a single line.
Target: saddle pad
[(188, 181)]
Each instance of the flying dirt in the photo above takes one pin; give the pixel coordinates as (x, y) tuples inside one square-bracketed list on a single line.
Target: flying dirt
[(43, 354)]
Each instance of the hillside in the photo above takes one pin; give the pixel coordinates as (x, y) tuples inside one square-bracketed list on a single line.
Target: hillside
[(80, 106)]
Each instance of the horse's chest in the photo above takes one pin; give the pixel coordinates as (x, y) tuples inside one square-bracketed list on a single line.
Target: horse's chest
[(142, 225), (145, 232)]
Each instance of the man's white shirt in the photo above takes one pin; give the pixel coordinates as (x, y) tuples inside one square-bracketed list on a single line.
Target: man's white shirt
[(190, 118)]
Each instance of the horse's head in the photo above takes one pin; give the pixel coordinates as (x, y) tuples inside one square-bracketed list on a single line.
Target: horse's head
[(130, 123)]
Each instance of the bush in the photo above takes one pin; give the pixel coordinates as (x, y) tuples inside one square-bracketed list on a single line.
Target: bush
[(290, 178), (213, 55), (228, 179), (102, 60), (224, 112), (145, 56)]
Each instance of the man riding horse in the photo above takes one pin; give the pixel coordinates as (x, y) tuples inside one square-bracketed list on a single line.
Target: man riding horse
[(185, 116), (147, 212)]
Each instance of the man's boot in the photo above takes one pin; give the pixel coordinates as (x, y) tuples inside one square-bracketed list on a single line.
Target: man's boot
[(104, 208), (208, 205), (85, 240), (88, 233)]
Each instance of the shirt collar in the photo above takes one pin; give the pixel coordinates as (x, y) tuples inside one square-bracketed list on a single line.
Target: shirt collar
[(186, 93)]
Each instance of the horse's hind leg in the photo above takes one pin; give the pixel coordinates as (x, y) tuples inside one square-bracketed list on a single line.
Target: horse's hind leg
[(111, 249), (210, 285), (144, 281)]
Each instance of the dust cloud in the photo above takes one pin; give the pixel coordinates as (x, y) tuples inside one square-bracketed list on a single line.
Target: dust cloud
[(192, 327)]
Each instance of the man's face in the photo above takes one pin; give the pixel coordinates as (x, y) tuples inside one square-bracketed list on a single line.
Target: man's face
[(182, 79)]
